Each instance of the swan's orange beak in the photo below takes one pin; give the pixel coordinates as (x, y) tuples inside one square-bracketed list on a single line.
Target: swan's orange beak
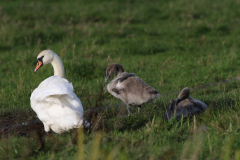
[(39, 64)]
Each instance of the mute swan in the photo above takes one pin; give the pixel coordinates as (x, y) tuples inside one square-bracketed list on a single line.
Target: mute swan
[(132, 90), (184, 106), (54, 101)]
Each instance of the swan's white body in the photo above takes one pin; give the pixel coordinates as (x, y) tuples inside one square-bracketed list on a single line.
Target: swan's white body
[(55, 103)]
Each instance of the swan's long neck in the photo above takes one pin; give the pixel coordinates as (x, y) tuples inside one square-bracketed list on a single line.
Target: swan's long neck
[(58, 66)]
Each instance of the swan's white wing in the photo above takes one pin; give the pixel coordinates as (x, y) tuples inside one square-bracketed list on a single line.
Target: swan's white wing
[(53, 85), (56, 105)]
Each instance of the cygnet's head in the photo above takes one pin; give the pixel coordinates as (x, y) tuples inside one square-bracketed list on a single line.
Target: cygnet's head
[(112, 69), (43, 58), (184, 94)]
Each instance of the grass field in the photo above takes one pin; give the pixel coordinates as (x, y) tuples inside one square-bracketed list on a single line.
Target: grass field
[(169, 44)]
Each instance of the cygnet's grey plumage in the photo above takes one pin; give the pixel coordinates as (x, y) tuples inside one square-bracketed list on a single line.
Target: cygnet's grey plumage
[(132, 90), (184, 106)]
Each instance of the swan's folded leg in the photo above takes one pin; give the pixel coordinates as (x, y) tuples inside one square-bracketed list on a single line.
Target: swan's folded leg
[(41, 142), (40, 137)]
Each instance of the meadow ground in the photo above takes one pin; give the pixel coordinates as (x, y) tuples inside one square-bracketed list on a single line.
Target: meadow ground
[(169, 44)]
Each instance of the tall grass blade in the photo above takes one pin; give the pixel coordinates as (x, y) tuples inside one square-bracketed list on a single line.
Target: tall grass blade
[(80, 144), (95, 147)]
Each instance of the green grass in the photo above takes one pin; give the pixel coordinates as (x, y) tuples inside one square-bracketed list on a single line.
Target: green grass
[(169, 44)]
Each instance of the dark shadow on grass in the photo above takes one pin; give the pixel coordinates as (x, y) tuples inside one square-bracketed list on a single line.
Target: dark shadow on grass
[(5, 48), (223, 30), (146, 50), (201, 30)]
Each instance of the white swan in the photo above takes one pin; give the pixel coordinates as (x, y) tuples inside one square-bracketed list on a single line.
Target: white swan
[(54, 101)]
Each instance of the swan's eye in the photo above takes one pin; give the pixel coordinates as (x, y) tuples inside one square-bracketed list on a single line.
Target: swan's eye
[(40, 59)]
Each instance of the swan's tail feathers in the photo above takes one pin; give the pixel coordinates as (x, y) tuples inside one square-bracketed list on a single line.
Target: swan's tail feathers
[(86, 124)]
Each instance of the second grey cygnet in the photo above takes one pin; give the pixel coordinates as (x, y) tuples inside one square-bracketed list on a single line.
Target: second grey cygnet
[(132, 90), (184, 106)]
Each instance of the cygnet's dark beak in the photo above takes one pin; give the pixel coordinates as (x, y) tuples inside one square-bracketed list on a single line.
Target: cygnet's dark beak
[(107, 77), (178, 101)]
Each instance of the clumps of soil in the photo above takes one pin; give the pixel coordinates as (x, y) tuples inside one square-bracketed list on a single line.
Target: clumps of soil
[(19, 123)]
